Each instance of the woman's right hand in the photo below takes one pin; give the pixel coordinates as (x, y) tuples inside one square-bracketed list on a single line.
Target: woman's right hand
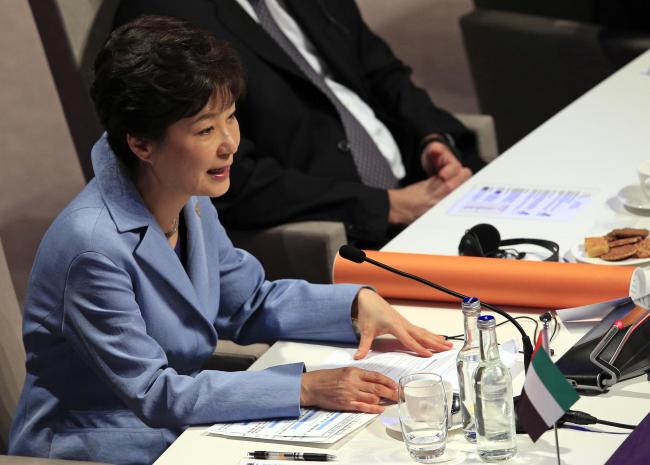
[(347, 389)]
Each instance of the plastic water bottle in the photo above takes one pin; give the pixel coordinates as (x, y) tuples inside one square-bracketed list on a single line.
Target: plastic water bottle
[(466, 363), (495, 419)]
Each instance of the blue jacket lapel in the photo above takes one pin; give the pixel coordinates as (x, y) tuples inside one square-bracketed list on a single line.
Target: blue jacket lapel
[(154, 251), (129, 213), (197, 259)]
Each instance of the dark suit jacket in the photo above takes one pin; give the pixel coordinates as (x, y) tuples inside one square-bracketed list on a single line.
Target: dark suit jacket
[(291, 165)]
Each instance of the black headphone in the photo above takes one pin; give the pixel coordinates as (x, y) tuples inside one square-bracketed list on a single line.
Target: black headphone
[(483, 240)]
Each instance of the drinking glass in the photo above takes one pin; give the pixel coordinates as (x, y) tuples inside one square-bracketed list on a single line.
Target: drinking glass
[(423, 415)]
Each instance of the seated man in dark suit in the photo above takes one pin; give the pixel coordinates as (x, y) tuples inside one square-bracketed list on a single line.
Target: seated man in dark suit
[(333, 127)]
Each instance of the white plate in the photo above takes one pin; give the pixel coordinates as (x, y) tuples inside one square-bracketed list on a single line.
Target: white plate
[(390, 419), (632, 197), (578, 251)]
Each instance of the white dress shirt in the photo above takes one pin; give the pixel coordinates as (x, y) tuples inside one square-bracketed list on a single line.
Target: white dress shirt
[(355, 105)]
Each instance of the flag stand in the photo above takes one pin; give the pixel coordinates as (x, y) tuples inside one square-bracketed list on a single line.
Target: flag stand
[(546, 319), (557, 444)]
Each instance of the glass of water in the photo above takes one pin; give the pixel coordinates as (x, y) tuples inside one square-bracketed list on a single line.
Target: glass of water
[(423, 415)]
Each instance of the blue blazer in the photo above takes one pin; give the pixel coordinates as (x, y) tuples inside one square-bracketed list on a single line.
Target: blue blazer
[(116, 329)]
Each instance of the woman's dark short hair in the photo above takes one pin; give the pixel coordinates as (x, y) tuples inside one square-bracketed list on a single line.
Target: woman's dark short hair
[(155, 71)]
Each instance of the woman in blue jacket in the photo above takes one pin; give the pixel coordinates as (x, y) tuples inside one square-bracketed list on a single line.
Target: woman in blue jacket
[(136, 279)]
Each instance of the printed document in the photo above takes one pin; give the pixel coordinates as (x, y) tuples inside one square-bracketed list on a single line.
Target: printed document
[(537, 203), (326, 427)]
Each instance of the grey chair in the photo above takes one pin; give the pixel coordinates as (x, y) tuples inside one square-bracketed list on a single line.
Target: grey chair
[(303, 250), (531, 59), (12, 354), (483, 128)]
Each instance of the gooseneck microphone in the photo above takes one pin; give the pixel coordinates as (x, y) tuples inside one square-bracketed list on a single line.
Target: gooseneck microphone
[(359, 256)]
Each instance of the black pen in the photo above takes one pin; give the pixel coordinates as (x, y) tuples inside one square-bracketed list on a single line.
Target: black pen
[(307, 456)]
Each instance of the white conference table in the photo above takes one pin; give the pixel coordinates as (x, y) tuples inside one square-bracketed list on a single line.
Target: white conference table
[(595, 143)]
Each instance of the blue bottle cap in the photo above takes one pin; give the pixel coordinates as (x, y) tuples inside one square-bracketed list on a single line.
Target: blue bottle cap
[(486, 321), (471, 306)]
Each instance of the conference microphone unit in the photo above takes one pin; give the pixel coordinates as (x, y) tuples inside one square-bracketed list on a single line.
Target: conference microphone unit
[(359, 256)]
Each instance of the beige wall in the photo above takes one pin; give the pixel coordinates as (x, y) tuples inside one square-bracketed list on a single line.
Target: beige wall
[(426, 35), (39, 171)]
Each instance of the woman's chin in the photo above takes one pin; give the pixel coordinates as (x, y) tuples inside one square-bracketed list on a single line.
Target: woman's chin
[(219, 190)]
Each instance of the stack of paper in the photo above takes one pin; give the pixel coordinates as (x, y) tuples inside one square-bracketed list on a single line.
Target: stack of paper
[(314, 425), (326, 427)]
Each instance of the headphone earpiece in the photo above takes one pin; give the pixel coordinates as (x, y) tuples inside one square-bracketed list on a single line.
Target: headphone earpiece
[(479, 241), (488, 236), (470, 245)]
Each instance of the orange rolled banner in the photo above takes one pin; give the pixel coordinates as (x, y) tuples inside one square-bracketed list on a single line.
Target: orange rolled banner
[(517, 283)]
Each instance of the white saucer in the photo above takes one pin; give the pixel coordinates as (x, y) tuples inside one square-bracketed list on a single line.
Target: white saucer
[(390, 419), (632, 197), (578, 253)]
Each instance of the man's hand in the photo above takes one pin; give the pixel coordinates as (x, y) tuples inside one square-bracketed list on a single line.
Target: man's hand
[(375, 317), (349, 389), (409, 203), (438, 160), (445, 174)]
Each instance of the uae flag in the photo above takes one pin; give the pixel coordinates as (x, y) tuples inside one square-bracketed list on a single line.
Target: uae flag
[(546, 394)]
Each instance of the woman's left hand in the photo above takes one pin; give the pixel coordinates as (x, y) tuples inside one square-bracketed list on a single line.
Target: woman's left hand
[(375, 317)]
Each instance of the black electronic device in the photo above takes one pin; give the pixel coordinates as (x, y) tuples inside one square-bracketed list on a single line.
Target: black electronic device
[(616, 349), (484, 240)]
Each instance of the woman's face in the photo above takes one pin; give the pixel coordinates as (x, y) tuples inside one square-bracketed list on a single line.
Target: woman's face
[(195, 155)]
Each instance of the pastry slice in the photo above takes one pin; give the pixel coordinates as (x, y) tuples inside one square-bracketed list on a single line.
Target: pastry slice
[(620, 253), (596, 246)]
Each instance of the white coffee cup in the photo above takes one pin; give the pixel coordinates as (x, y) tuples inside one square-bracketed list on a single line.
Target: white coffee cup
[(644, 178)]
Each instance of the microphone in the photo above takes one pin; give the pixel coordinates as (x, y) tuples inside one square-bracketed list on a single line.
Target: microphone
[(359, 256)]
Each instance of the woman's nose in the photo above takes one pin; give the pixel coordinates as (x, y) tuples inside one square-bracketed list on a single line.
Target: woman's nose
[(228, 145)]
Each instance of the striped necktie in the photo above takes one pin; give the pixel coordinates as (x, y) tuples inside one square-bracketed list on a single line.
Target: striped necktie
[(371, 165)]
